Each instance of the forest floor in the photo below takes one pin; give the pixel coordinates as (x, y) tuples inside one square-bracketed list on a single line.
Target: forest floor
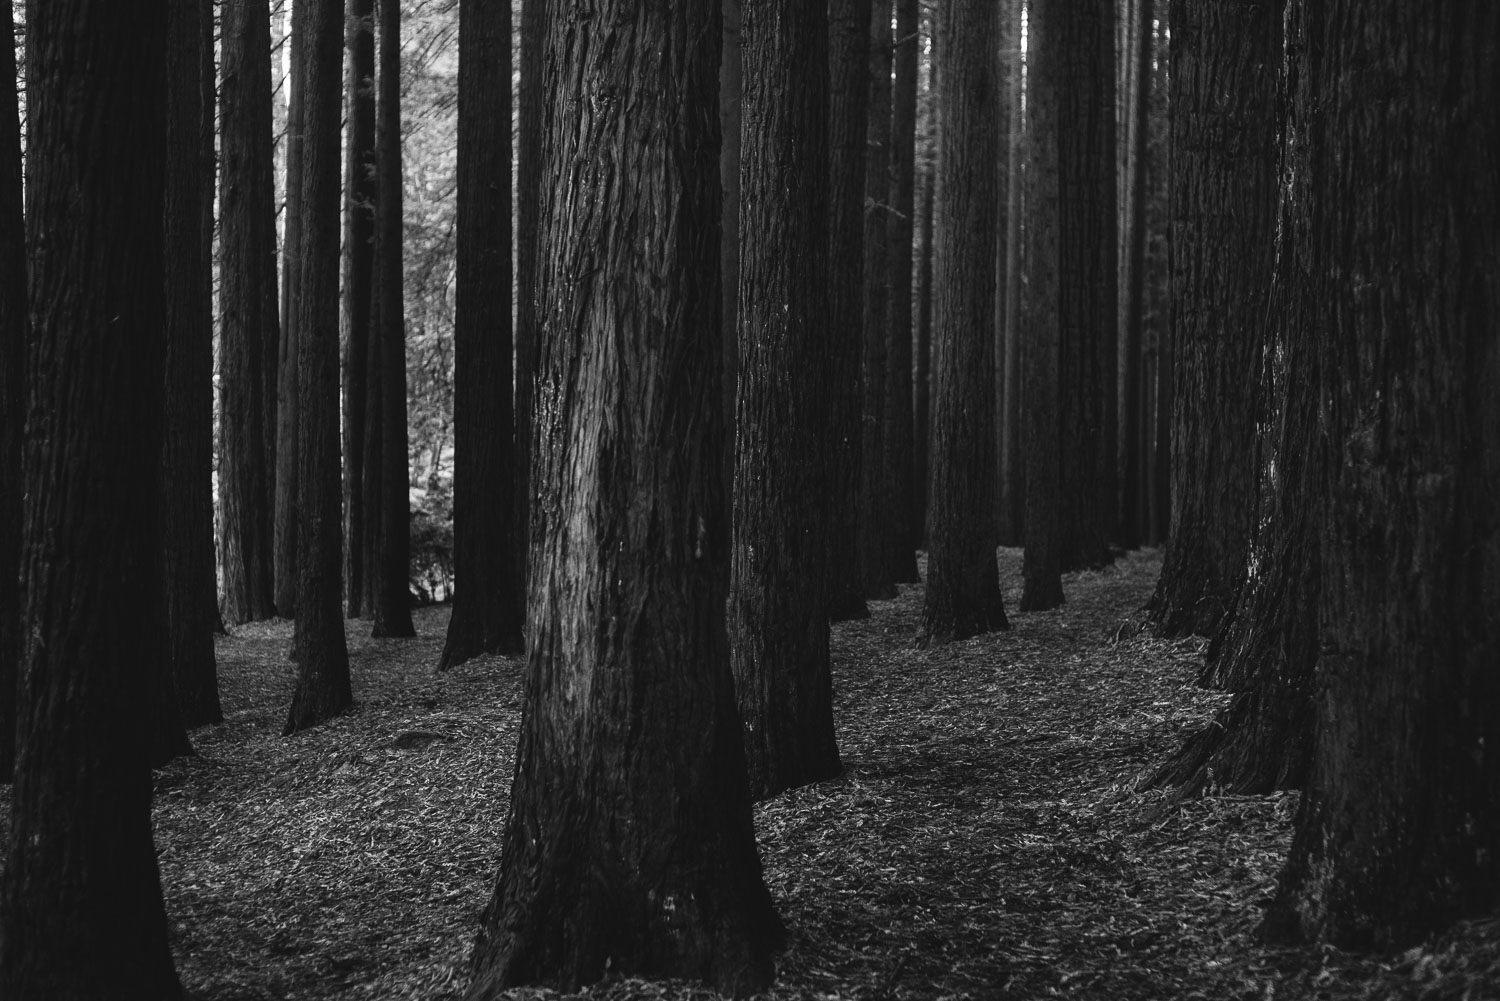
[(984, 841)]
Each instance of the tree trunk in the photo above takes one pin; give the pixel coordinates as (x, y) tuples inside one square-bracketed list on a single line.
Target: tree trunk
[(528, 194), (922, 360), (729, 176), (288, 363), (247, 315), (489, 597), (1133, 280), (778, 602), (391, 569), (318, 645), (1009, 488), (875, 518), (630, 847), (849, 82), (1042, 564), (1224, 132), (359, 266), (187, 457), (13, 337), (81, 912), (903, 536), (1399, 829), (963, 580)]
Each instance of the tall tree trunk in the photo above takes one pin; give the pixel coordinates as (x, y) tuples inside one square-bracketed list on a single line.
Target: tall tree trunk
[(630, 757), (528, 194), (81, 912), (963, 580), (1010, 490), (729, 176), (1399, 828), (13, 338), (318, 645), (390, 570), (1224, 132), (247, 315), (1086, 273), (489, 597), (904, 537), (1042, 564), (359, 267), (1133, 279), (849, 83), (922, 357), (187, 458), (875, 517), (288, 363), (778, 598)]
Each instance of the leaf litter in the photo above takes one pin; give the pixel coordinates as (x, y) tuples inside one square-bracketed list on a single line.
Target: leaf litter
[(984, 842)]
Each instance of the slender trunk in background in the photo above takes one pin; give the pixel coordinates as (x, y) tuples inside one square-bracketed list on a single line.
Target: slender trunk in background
[(1039, 354), (1160, 260), (1133, 280), (849, 82), (1012, 465), (287, 363), (81, 911), (318, 645), (1223, 218), (13, 337), (1398, 834), (489, 598), (1007, 433), (359, 264), (963, 583), (629, 572), (1106, 80), (904, 536), (529, 198), (922, 360), (391, 570), (729, 178), (187, 389)]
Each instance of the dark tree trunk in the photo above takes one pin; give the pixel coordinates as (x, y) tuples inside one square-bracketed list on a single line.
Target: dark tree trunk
[(288, 364), (630, 758), (13, 336), (1399, 829), (1010, 489), (1133, 280), (778, 600), (849, 83), (318, 645), (81, 912), (187, 447), (1042, 564), (1223, 216), (922, 351), (876, 521), (729, 176), (904, 536), (489, 597), (374, 451), (247, 315), (963, 579), (528, 194), (1087, 278), (390, 569), (359, 268)]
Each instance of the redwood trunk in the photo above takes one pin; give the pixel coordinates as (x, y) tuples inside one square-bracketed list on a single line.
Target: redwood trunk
[(903, 536), (528, 194), (288, 364), (13, 327)]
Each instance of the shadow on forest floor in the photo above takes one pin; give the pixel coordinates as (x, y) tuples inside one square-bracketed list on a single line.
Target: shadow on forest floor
[(981, 844)]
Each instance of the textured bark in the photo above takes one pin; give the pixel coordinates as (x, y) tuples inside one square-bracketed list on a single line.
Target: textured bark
[(630, 846), (13, 327), (904, 535), (1086, 272), (875, 520), (922, 358), (247, 315), (1399, 829), (1011, 487), (489, 598), (81, 913), (1223, 233), (1133, 278), (528, 193), (1042, 564), (730, 72), (288, 364), (778, 598), (359, 268), (849, 83), (963, 579), (187, 458), (318, 645), (390, 568)]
